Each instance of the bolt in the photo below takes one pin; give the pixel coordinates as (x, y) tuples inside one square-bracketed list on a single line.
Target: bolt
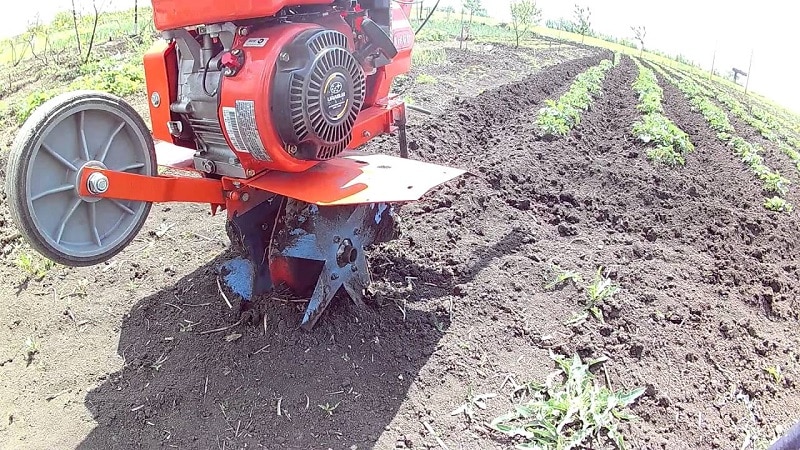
[(334, 277), (97, 183), (244, 31), (237, 184), (208, 166), (236, 52), (284, 57), (228, 72), (354, 268), (356, 232), (245, 197), (291, 149), (337, 239), (250, 172), (155, 99), (366, 134)]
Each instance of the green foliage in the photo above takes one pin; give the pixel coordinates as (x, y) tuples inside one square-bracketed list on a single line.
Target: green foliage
[(558, 117), (598, 291), (115, 77), (778, 204), (33, 266), (426, 79), (423, 57), (23, 109), (524, 14), (671, 143), (583, 20), (569, 410), (650, 93)]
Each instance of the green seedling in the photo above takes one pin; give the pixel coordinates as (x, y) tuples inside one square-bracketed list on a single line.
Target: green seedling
[(328, 408)]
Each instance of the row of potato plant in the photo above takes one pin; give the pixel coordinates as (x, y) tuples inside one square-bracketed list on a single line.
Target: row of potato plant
[(670, 144), (763, 122), (700, 98), (560, 116)]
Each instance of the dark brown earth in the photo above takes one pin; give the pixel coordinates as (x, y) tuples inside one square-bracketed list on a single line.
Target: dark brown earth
[(708, 280)]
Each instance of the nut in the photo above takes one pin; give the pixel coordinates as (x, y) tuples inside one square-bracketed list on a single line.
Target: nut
[(284, 57), (155, 99), (97, 183)]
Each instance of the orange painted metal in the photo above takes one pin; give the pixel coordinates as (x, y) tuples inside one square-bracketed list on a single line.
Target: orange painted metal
[(161, 77), (258, 70), (374, 121), (172, 14), (403, 37), (129, 186), (357, 179)]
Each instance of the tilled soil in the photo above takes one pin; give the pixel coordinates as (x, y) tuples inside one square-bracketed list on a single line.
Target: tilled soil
[(708, 279)]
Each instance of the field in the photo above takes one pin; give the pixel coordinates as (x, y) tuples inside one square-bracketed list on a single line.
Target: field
[(616, 209)]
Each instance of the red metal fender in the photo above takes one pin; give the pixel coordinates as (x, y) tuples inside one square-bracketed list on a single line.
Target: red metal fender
[(357, 179), (353, 179)]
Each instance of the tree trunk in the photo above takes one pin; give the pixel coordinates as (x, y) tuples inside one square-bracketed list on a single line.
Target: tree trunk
[(461, 41), (77, 31), (94, 32)]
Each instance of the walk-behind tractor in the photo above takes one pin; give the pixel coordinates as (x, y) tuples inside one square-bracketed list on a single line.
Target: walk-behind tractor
[(261, 105)]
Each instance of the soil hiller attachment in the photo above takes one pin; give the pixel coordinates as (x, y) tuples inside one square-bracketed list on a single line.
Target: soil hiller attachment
[(265, 105)]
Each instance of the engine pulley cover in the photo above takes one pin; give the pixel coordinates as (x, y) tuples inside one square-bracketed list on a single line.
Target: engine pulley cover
[(317, 94)]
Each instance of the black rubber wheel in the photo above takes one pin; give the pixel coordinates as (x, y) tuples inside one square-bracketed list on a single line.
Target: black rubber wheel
[(69, 132)]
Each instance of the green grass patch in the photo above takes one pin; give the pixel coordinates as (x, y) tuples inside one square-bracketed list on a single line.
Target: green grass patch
[(423, 57), (426, 79)]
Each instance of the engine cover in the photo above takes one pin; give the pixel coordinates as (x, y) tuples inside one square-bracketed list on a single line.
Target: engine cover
[(292, 94), (320, 87)]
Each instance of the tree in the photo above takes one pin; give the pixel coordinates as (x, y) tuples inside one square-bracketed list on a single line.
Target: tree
[(639, 34), (77, 31), (473, 6), (524, 14), (94, 32), (449, 10), (583, 16)]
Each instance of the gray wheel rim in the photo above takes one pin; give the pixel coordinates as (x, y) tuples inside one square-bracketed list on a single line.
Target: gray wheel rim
[(97, 135)]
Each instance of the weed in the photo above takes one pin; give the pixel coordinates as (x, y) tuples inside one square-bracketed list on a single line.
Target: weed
[(34, 267), (563, 276), (472, 402), (571, 412), (776, 373), (328, 408), (426, 79), (31, 349), (598, 291), (423, 57)]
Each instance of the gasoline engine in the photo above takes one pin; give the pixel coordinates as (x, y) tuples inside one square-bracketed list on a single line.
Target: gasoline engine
[(269, 102)]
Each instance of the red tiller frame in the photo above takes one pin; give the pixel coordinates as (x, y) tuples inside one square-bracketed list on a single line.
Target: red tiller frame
[(157, 189)]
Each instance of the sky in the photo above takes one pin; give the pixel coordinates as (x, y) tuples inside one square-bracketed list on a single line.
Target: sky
[(694, 28)]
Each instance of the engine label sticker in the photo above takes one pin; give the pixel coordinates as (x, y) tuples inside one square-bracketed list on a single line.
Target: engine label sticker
[(240, 124), (255, 42)]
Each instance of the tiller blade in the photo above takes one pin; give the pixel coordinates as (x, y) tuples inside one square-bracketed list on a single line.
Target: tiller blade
[(332, 240), (313, 250), (307, 231)]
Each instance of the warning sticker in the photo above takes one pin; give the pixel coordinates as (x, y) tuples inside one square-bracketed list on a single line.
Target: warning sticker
[(256, 42), (240, 124)]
